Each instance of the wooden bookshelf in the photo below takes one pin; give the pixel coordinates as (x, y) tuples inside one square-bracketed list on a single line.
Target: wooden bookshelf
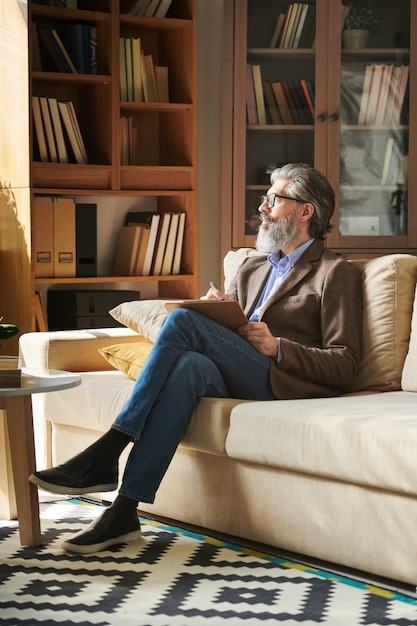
[(369, 218), (163, 177)]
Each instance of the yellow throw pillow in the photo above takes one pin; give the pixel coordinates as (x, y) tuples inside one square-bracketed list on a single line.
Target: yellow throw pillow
[(128, 358)]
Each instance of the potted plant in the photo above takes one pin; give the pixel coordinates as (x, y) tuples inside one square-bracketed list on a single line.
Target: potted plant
[(360, 20), (6, 332)]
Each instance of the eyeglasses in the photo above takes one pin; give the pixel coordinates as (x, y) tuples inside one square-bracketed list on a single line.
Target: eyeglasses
[(269, 199)]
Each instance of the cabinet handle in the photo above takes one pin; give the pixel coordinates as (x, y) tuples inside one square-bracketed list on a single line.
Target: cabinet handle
[(334, 117), (321, 117)]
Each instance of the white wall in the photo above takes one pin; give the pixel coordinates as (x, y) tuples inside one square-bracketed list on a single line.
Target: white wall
[(210, 34)]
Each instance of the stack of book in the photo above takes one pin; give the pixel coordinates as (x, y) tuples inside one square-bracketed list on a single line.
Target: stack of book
[(140, 79), (71, 48), (150, 244), (153, 8), (296, 28), (383, 94), (57, 131), (278, 102)]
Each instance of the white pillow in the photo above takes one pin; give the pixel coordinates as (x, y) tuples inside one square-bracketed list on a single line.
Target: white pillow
[(143, 316)]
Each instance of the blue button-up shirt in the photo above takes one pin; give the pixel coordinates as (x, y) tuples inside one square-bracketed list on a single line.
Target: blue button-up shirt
[(281, 267)]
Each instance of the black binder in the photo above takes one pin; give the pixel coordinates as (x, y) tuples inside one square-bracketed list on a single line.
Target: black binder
[(86, 239)]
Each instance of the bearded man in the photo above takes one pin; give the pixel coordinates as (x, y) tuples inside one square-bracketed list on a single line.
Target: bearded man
[(303, 340)]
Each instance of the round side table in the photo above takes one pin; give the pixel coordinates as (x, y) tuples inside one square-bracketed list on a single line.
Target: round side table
[(17, 404)]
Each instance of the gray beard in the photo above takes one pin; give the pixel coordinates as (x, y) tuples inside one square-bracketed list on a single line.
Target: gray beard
[(279, 234)]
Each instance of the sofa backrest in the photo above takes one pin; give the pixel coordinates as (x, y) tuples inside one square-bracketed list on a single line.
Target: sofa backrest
[(389, 285)]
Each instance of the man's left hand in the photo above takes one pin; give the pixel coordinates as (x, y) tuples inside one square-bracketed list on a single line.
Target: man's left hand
[(260, 337)]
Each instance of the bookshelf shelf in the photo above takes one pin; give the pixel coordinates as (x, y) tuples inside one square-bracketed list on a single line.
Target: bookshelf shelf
[(162, 178), (358, 133)]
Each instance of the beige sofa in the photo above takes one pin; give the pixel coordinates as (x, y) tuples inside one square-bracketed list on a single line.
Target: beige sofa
[(334, 478)]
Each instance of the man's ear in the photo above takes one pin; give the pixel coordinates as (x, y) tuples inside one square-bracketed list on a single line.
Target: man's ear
[(307, 211)]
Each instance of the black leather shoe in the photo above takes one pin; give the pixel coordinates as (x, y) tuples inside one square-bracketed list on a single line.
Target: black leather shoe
[(77, 476), (107, 530)]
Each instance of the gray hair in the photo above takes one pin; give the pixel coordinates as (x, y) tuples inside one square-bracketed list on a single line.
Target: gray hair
[(306, 183)]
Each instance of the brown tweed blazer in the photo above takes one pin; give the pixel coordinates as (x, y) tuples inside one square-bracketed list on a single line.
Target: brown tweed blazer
[(317, 312)]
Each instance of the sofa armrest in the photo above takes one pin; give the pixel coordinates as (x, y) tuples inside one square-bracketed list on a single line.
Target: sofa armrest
[(71, 350)]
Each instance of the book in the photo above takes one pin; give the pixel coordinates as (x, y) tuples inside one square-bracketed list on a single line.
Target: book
[(122, 70), (226, 312), (282, 102), (383, 94), (284, 32), (58, 132), (137, 69), (303, 103), (161, 244), (307, 93), (400, 95), (39, 129), (259, 94), (128, 68), (365, 95), (143, 244), (163, 8), (162, 85), (149, 80), (70, 132), (277, 31), (271, 103), (49, 132), (77, 130), (168, 259), (176, 265), (54, 59), (309, 30), (151, 8), (64, 51), (292, 27), (300, 25), (126, 251), (252, 114), (150, 249), (72, 38), (295, 114), (377, 69), (396, 71)]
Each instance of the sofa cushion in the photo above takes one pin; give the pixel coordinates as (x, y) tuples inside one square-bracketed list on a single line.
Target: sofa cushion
[(128, 358), (409, 374), (95, 404), (368, 439), (143, 316), (388, 293)]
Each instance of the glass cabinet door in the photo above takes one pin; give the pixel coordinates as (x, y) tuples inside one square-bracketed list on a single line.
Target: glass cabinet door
[(274, 100), (373, 148)]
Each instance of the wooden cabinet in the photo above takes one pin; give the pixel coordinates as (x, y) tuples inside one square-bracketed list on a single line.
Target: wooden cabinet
[(161, 170), (368, 161)]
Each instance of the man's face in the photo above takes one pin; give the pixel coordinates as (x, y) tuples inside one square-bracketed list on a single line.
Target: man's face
[(279, 227)]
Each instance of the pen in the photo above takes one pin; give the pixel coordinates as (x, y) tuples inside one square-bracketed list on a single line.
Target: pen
[(213, 284)]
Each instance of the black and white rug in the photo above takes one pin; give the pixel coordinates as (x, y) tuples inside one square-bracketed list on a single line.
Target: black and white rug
[(174, 577)]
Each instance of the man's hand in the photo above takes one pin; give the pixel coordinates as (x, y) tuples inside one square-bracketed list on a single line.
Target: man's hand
[(215, 294), (260, 337)]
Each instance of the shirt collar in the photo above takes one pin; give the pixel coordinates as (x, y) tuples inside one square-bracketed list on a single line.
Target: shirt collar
[(291, 258)]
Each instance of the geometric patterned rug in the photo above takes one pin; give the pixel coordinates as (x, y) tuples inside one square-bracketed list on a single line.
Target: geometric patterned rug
[(174, 577)]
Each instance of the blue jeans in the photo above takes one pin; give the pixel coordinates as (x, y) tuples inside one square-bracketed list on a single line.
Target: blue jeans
[(192, 358)]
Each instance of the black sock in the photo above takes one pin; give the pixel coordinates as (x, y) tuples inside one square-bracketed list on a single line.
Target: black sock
[(106, 450), (123, 506)]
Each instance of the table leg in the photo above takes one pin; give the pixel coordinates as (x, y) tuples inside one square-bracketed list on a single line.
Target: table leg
[(22, 452)]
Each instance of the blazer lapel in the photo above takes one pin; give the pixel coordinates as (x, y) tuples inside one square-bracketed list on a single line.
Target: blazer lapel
[(302, 268)]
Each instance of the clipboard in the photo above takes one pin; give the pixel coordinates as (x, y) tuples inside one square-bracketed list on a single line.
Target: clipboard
[(226, 312)]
